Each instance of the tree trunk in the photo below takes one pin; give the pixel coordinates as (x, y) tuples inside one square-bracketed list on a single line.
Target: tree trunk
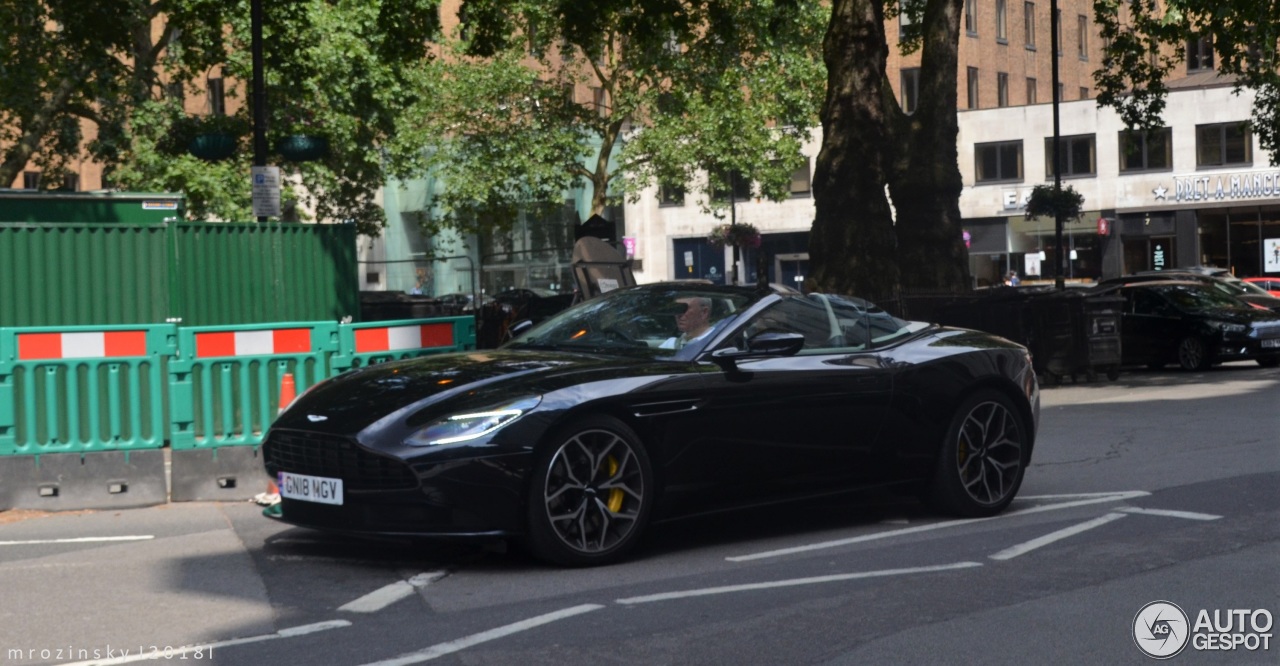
[(852, 246), (926, 183)]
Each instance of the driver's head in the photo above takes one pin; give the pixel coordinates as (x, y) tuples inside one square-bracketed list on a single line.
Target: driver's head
[(695, 316)]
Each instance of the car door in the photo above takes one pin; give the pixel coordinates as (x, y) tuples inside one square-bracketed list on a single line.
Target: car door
[(794, 425)]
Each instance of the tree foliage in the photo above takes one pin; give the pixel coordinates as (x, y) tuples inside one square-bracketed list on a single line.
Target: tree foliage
[(1056, 203), (534, 97), (343, 69), (1146, 42)]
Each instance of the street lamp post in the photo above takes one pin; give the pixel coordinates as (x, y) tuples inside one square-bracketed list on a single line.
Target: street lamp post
[(259, 89), (1058, 280)]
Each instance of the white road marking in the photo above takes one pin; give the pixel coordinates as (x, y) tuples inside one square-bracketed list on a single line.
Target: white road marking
[(387, 595), (1189, 515), (667, 596), (450, 647), (1022, 548), (1086, 499), (177, 653), (78, 540)]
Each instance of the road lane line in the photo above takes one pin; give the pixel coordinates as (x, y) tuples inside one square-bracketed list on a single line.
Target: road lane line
[(142, 537), (727, 589), (1189, 515), (1023, 548), (176, 653), (1088, 498), (450, 647), (389, 594)]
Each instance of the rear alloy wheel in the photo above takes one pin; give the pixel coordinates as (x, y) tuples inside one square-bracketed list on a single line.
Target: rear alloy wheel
[(591, 494), (983, 459), (1191, 354)]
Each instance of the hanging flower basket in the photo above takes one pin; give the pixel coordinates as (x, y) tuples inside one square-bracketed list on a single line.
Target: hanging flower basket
[(213, 146), (302, 147), (736, 235)]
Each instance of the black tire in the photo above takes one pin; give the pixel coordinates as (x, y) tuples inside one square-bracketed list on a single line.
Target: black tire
[(1269, 361), (983, 457), (591, 494), (1192, 354)]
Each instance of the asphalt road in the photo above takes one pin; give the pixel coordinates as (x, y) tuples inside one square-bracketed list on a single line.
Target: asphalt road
[(1162, 486)]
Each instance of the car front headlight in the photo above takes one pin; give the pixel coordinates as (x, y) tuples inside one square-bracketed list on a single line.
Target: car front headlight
[(471, 425), (1228, 327)]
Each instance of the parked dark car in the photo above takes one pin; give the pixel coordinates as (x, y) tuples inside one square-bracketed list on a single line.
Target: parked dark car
[(1194, 325), (574, 437), (1223, 281)]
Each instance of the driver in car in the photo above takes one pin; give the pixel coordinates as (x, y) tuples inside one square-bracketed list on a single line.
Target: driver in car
[(694, 321)]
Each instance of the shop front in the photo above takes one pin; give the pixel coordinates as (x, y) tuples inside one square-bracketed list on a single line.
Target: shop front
[(1229, 219)]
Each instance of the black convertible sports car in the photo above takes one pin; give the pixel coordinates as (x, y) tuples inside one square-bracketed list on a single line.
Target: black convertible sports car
[(575, 436)]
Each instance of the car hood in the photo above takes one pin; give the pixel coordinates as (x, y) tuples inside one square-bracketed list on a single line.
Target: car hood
[(1241, 315), (357, 399)]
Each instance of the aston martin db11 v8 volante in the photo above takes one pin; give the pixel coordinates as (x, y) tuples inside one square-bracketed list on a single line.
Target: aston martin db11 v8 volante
[(653, 402)]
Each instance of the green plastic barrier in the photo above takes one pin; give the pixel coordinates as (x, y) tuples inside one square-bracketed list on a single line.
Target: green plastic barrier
[(225, 380), (381, 341), (80, 389)]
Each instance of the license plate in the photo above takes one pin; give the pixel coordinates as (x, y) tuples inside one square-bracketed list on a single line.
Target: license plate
[(1273, 342), (310, 488)]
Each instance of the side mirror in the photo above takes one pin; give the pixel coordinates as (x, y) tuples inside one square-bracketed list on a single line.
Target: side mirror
[(766, 343), (520, 327)]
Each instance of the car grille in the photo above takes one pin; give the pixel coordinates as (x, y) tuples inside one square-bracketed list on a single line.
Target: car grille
[(318, 454)]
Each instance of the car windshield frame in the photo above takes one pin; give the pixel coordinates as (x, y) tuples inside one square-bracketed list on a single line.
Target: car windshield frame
[(1197, 298), (638, 322)]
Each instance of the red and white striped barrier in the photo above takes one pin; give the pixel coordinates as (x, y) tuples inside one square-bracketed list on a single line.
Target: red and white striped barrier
[(400, 338), (253, 343), (81, 344)]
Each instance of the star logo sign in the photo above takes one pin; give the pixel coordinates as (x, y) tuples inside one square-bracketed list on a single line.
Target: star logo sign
[(1160, 629), (1160, 191)]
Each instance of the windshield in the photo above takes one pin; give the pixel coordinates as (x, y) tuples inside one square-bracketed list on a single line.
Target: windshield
[(671, 321), (1197, 298)]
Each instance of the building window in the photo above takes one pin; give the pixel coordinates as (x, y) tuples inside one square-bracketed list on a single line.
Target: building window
[(973, 87), (217, 97), (1002, 89), (1059, 17), (1001, 161), (910, 89), (1199, 54), (1076, 155), (904, 20), (598, 98), (1031, 90), (1223, 145), (71, 182), (30, 180), (1084, 92), (801, 180), (741, 187), (1060, 96), (1146, 151), (1002, 22), (670, 195), (1029, 23), (1082, 36), (970, 18)]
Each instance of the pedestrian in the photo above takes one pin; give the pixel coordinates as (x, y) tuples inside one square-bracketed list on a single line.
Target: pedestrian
[(1011, 279)]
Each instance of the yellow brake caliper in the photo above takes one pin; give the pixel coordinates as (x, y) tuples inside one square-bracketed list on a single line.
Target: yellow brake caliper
[(615, 495)]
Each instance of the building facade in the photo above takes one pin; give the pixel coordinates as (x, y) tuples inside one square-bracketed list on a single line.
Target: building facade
[(1198, 192)]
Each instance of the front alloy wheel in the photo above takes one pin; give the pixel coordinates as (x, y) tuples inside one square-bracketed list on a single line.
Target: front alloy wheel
[(1191, 354), (591, 494), (983, 458)]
